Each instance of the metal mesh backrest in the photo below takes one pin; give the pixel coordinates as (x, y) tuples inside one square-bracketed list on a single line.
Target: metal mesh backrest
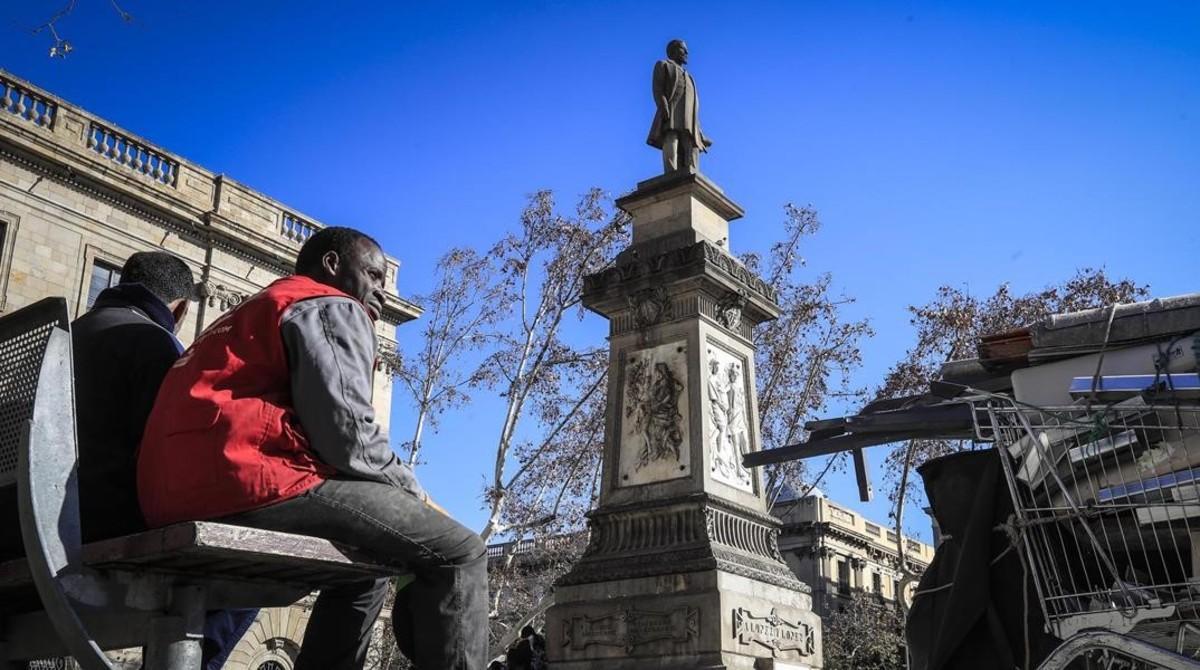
[(23, 338)]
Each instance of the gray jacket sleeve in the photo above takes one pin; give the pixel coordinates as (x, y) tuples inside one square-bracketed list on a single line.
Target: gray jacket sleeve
[(331, 352)]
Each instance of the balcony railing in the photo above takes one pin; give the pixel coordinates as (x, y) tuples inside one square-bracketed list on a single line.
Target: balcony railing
[(296, 229), (26, 105), (500, 549), (134, 156)]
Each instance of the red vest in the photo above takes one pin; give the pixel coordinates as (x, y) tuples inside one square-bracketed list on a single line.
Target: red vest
[(223, 436)]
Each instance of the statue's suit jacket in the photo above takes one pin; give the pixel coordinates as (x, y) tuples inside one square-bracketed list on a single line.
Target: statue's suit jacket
[(683, 104)]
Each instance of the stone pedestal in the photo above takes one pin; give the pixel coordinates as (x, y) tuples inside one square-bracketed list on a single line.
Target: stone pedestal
[(683, 569)]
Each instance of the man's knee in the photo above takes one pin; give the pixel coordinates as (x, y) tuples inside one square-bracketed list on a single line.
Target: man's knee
[(449, 542), (470, 549)]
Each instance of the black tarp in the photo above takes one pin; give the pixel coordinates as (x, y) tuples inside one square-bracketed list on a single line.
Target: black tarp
[(973, 612)]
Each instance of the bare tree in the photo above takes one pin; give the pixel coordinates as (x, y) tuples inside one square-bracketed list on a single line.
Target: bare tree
[(464, 302), (60, 48), (525, 577), (949, 328), (547, 457), (510, 306), (805, 357), (541, 375)]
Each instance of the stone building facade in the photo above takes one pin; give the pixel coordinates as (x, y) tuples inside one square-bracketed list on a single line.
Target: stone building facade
[(837, 551), (78, 195)]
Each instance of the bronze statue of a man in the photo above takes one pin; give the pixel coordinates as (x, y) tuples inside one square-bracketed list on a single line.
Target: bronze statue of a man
[(676, 126)]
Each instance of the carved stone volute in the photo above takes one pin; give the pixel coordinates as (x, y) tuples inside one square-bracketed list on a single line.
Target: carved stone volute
[(219, 295)]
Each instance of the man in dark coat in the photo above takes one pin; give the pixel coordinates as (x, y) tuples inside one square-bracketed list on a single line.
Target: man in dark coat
[(122, 349), (676, 125)]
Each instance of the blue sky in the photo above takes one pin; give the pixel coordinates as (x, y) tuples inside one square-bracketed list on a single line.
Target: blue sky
[(967, 143)]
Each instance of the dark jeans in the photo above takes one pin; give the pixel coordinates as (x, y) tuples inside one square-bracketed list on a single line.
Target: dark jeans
[(440, 619)]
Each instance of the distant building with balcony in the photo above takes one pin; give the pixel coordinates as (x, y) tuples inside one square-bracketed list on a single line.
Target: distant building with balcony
[(837, 551)]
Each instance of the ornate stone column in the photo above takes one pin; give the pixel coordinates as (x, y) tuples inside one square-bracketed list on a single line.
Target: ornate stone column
[(683, 569)]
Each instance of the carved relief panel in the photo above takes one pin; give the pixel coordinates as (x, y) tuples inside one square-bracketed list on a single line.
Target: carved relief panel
[(631, 628), (654, 415), (727, 427)]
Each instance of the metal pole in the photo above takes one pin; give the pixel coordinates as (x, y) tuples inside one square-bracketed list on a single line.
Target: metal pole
[(176, 638)]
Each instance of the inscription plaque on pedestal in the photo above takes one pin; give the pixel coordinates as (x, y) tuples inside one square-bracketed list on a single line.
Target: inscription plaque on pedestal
[(773, 632)]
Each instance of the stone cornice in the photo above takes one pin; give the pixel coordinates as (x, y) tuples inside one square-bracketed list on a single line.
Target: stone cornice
[(691, 498), (95, 189), (700, 267)]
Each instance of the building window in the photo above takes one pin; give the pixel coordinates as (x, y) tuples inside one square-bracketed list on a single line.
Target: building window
[(8, 231), (843, 578), (877, 583), (104, 275), (271, 665)]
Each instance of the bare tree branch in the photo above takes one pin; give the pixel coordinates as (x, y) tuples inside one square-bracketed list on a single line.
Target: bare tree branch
[(60, 47)]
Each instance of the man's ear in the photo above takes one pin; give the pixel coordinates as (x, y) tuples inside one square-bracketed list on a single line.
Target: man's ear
[(331, 263), (179, 310)]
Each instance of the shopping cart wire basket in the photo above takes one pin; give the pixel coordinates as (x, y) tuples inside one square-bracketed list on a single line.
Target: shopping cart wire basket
[(1107, 514)]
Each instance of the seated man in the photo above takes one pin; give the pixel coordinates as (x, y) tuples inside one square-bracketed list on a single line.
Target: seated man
[(266, 421), (122, 349)]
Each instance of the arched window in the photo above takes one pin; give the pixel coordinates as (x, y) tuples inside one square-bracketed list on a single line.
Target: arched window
[(270, 665)]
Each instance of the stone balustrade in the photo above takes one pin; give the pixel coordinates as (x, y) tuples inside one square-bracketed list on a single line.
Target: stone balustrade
[(501, 549), (126, 152), (296, 229), (26, 104), (94, 146)]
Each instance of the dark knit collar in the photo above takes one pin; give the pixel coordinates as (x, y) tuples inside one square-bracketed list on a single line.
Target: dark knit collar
[(140, 298)]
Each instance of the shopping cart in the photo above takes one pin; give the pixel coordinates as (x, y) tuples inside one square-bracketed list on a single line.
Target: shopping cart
[(1107, 521)]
